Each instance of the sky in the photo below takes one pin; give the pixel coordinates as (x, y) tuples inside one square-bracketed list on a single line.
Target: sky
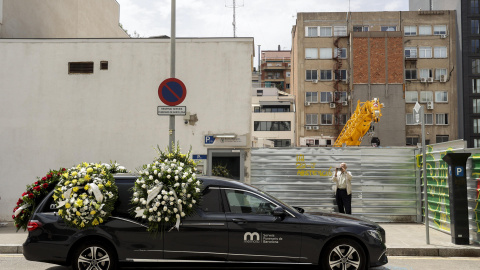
[(269, 22)]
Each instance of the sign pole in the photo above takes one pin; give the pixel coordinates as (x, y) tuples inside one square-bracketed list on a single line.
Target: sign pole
[(172, 75)]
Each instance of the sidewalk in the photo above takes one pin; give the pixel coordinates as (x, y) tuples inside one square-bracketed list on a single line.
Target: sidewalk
[(403, 239)]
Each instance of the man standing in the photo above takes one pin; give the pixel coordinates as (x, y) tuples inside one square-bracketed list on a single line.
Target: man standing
[(343, 183)]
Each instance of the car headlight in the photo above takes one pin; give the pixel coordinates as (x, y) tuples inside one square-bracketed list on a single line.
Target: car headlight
[(375, 235)]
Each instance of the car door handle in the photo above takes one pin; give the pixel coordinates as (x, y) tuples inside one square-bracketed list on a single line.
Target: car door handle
[(239, 220)]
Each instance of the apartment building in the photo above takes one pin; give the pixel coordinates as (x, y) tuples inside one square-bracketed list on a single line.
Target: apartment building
[(339, 59), (468, 58), (273, 118), (275, 69)]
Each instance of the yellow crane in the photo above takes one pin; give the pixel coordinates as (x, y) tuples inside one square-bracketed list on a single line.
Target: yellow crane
[(359, 124)]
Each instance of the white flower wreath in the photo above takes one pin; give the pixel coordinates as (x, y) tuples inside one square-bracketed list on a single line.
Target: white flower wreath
[(166, 190)]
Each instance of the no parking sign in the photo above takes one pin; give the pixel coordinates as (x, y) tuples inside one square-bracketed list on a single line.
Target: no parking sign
[(172, 91)]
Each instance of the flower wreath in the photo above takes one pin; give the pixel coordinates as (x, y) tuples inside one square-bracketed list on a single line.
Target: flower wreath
[(34, 194), (166, 190), (86, 195)]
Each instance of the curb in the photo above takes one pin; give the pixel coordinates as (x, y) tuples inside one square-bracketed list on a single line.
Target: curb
[(11, 249)]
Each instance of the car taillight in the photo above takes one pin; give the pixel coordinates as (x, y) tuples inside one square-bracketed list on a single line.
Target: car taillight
[(33, 225)]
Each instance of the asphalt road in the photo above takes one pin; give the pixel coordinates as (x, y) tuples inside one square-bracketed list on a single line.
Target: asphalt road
[(18, 262)]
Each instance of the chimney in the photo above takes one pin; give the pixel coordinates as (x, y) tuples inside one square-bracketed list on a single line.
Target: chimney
[(278, 47)]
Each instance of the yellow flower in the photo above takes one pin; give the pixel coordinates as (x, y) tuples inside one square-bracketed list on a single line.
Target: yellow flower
[(85, 164), (86, 187), (55, 197), (82, 224), (100, 220), (93, 212), (100, 186), (87, 177), (67, 205), (75, 189), (103, 172), (60, 212), (67, 183), (65, 175), (63, 196), (95, 222), (108, 184), (79, 202), (78, 213), (84, 196), (74, 174), (74, 181), (89, 170), (75, 221)]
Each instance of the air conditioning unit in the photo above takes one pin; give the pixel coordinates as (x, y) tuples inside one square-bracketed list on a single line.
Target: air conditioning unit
[(443, 78), (430, 105), (308, 127), (345, 103), (443, 36), (307, 103), (423, 80), (332, 105), (315, 81), (430, 79), (316, 127)]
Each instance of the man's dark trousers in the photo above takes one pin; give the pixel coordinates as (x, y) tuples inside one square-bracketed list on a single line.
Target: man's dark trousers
[(344, 201)]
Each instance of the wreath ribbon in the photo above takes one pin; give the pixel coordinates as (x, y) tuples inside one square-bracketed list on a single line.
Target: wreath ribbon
[(177, 224), (152, 193), (19, 210), (93, 189)]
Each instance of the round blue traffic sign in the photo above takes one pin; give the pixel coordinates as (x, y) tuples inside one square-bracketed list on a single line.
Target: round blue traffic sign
[(172, 91)]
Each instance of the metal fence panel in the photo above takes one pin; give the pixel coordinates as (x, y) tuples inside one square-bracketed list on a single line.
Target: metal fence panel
[(384, 185)]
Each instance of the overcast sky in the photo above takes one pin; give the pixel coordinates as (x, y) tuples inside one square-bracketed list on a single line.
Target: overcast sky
[(269, 22)]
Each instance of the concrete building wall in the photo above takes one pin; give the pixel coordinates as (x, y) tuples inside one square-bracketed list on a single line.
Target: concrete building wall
[(51, 118), (60, 19)]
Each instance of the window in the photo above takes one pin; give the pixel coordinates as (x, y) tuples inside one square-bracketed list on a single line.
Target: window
[(476, 125), (287, 74), (311, 97), (311, 31), (244, 202), (312, 119), (340, 53), (410, 119), (311, 53), (441, 96), (411, 96), (311, 75), (340, 31), (211, 201), (439, 29), (426, 73), (439, 72), (410, 52), (360, 28), (281, 143), (426, 96), (80, 67), (388, 28), (272, 126), (441, 138), (476, 143), (475, 27), (341, 119), (341, 75), (474, 7), (476, 66), (325, 53), (441, 119), (412, 141), (325, 75), (410, 30), (410, 74), (326, 97), (425, 52), (440, 52), (287, 85), (257, 109), (341, 96), (475, 46), (428, 118), (103, 65), (327, 119), (476, 86), (325, 31), (425, 30), (476, 105), (259, 93)]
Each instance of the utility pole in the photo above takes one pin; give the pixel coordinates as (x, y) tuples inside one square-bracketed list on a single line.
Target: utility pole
[(172, 75)]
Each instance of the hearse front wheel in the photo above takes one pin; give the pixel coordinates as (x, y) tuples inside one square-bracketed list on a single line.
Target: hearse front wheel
[(343, 254)]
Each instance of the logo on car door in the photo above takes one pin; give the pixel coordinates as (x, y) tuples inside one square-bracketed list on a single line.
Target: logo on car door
[(250, 237)]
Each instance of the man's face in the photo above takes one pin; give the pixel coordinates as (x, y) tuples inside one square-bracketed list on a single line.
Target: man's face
[(343, 166)]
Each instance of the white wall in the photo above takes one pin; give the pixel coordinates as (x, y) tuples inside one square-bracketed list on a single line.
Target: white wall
[(61, 19), (51, 119)]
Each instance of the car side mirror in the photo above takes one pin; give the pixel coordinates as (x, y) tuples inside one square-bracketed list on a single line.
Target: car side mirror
[(279, 212)]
